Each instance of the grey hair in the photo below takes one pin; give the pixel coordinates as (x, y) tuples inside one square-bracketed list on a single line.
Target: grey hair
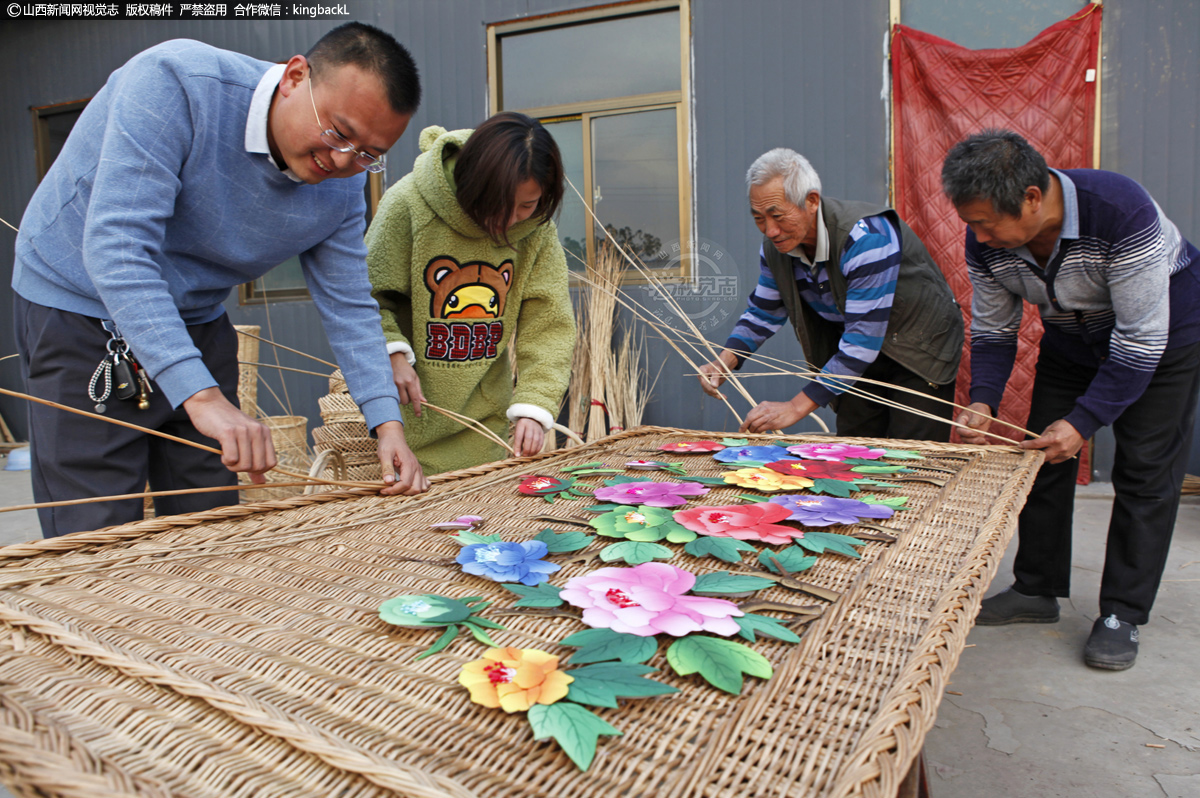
[(995, 165), (799, 177)]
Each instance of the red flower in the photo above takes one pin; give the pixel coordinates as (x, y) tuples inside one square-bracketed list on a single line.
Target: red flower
[(741, 521), (815, 469)]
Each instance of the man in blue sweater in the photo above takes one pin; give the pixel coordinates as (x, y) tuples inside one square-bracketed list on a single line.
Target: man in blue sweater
[(865, 299), (191, 171), (1118, 289)]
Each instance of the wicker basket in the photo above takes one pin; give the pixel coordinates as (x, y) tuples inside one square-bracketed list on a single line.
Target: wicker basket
[(345, 431), (247, 355), (238, 653)]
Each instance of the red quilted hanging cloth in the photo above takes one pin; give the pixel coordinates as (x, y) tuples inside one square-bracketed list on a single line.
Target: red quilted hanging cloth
[(942, 93)]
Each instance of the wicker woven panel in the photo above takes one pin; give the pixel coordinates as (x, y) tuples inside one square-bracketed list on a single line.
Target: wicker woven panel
[(239, 652)]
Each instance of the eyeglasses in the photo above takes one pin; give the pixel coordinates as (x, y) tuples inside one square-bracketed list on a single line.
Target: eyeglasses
[(336, 141)]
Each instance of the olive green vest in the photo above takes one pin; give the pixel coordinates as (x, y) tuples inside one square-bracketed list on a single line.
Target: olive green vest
[(925, 328)]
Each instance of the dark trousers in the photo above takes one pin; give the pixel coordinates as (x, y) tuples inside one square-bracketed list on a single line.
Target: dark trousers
[(858, 417), (75, 457), (1153, 438)]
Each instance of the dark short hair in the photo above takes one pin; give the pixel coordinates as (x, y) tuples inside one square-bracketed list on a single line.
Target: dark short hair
[(995, 165), (503, 152), (376, 53)]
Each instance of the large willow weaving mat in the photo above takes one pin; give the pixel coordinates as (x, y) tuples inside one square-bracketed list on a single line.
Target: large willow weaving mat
[(242, 654)]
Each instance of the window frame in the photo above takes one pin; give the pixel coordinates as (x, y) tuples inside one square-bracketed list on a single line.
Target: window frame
[(586, 111), (41, 130)]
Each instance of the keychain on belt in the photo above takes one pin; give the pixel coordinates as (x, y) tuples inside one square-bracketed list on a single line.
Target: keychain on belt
[(122, 376)]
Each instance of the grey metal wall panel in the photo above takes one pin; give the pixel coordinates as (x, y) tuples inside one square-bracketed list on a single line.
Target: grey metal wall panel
[(1151, 114), (805, 75)]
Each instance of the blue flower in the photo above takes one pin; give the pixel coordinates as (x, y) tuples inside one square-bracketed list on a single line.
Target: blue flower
[(508, 562), (751, 454)]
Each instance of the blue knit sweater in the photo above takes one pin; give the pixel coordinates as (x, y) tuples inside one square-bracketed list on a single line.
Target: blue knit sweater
[(1122, 287), (154, 210)]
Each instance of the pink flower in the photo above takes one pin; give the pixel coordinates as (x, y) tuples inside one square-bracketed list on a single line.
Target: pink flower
[(648, 599), (654, 494), (741, 521), (835, 451), (687, 447)]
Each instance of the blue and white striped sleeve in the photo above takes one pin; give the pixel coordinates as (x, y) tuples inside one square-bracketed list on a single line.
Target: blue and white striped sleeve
[(764, 315), (871, 265)]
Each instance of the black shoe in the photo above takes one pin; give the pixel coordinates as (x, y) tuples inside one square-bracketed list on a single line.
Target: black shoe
[(1013, 607), (1112, 645)]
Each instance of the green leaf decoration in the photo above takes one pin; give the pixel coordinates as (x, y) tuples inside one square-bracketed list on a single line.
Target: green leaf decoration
[(875, 468), (543, 595), (709, 481), (635, 552), (793, 559), (753, 498), (557, 542), (601, 645), (765, 626), (821, 542), (467, 537), (903, 454), (621, 480), (424, 610), (576, 730), (833, 487), (725, 582), (451, 632), (481, 635), (735, 441), (569, 469), (727, 549), (580, 472), (721, 662), (895, 502), (602, 684), (603, 508)]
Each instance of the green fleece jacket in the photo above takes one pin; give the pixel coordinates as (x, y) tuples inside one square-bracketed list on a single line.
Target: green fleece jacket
[(456, 304)]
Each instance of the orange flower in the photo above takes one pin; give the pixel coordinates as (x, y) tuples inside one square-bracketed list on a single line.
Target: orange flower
[(514, 679), (766, 480)]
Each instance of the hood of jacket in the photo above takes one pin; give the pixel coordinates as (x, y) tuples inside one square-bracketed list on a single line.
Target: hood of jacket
[(429, 173)]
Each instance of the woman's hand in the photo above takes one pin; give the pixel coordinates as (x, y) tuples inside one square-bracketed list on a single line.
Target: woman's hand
[(407, 382), (528, 437)]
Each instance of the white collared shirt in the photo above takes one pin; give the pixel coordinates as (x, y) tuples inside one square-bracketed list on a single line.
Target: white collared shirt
[(258, 117)]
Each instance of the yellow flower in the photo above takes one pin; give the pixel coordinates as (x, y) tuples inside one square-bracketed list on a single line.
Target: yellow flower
[(766, 480), (514, 679)]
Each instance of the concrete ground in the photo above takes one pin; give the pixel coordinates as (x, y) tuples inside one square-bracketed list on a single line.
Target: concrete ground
[(1023, 716)]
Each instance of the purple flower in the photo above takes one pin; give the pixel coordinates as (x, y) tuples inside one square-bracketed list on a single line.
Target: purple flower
[(835, 452), (508, 562), (828, 510), (654, 494), (751, 454)]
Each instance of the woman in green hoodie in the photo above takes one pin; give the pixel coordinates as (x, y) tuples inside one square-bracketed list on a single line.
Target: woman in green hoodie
[(467, 267)]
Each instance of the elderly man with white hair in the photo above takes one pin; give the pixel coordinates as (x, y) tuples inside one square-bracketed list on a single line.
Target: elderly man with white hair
[(865, 299)]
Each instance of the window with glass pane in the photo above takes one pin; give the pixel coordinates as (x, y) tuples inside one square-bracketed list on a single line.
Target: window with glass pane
[(610, 86)]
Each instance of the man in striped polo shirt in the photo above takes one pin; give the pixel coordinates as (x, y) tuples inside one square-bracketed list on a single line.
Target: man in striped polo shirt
[(1118, 289), (865, 299)]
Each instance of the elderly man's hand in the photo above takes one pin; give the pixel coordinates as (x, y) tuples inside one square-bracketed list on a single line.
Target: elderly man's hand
[(1060, 442), (770, 416), (714, 374), (978, 417)]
